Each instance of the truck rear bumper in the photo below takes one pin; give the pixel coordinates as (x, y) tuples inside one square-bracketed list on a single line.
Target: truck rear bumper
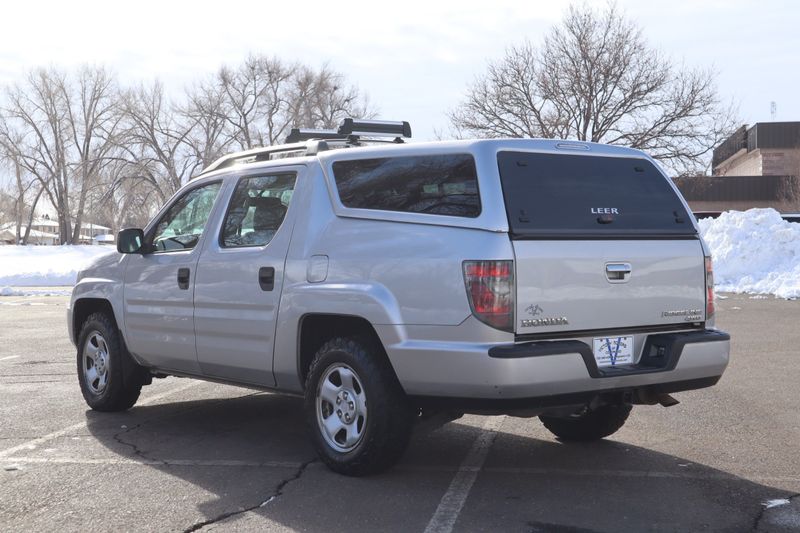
[(667, 363)]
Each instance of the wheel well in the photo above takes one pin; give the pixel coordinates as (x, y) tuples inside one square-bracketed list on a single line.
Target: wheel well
[(85, 307), (317, 329)]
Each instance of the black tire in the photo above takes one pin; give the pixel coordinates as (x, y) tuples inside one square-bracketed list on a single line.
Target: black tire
[(387, 421), (123, 377), (590, 425)]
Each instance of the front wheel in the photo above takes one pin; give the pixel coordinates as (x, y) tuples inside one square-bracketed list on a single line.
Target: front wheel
[(588, 425), (102, 366), (359, 416)]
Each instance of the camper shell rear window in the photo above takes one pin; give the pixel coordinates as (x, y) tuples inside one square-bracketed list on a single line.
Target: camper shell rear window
[(584, 196)]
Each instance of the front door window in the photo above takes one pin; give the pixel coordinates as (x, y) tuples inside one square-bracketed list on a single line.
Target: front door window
[(182, 225)]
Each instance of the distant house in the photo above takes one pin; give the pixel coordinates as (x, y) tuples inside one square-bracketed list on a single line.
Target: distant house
[(45, 231), (8, 235), (91, 231), (104, 239)]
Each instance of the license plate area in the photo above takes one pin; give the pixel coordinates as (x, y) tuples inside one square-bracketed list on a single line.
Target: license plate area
[(613, 351)]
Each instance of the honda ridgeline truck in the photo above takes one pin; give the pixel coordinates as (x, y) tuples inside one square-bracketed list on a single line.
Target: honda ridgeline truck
[(391, 283)]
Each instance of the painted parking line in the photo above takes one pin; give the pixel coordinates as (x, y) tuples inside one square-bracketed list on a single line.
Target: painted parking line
[(33, 443), (453, 500), (148, 462), (9, 357), (511, 470)]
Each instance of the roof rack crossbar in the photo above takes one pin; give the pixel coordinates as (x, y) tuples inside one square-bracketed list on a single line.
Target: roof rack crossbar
[(304, 134), (383, 128), (351, 130)]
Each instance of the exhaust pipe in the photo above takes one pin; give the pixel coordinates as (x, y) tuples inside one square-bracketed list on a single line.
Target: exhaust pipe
[(666, 400), (648, 397)]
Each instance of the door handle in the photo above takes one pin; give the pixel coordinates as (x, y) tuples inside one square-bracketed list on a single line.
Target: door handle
[(183, 278), (618, 271), (266, 278)]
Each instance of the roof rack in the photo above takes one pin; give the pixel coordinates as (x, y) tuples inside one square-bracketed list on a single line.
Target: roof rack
[(352, 130), (267, 153), (304, 142)]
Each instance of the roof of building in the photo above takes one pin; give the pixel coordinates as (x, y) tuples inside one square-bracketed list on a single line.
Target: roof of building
[(9, 231), (759, 136)]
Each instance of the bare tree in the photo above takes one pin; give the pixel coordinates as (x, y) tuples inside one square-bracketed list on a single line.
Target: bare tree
[(79, 142), (253, 100), (128, 200), (39, 144), (264, 97), (18, 209), (7, 204), (61, 132), (156, 141), (321, 99), (204, 111), (24, 212), (595, 78), (94, 127)]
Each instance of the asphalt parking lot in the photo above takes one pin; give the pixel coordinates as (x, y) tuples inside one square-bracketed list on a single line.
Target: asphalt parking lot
[(198, 456)]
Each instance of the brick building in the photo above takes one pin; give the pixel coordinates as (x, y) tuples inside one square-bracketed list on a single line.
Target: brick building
[(757, 166), (764, 149)]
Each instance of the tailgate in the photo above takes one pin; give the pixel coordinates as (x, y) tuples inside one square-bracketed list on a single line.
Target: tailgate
[(600, 242), (590, 285)]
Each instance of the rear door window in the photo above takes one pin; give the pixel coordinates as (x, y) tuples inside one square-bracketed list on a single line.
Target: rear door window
[(257, 209), (560, 195), (436, 184)]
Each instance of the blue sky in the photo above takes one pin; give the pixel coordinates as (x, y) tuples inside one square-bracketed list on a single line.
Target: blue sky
[(413, 58)]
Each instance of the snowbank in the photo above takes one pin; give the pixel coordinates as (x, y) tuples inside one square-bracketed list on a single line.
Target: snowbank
[(755, 252), (10, 291), (44, 265)]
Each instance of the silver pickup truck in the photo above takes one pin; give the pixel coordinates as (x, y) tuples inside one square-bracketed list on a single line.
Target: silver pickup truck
[(391, 283)]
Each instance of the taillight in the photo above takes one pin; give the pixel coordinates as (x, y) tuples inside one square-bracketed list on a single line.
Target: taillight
[(490, 288), (709, 289)]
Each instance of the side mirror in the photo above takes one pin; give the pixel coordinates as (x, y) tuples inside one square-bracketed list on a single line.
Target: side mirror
[(130, 241)]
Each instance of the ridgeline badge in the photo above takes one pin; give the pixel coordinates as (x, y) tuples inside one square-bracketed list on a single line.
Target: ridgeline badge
[(689, 315)]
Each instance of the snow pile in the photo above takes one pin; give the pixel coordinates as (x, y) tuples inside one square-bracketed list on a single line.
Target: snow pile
[(10, 291), (44, 265), (755, 252)]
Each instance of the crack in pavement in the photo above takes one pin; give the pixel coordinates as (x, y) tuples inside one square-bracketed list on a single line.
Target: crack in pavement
[(136, 450), (764, 509), (139, 452), (277, 493)]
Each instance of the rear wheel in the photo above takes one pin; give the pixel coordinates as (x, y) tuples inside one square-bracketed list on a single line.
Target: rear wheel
[(588, 425), (359, 416), (109, 379)]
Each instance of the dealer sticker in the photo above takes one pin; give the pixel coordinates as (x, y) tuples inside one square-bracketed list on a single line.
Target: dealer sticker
[(613, 351)]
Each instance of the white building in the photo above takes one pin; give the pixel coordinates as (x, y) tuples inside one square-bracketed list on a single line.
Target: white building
[(45, 231)]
